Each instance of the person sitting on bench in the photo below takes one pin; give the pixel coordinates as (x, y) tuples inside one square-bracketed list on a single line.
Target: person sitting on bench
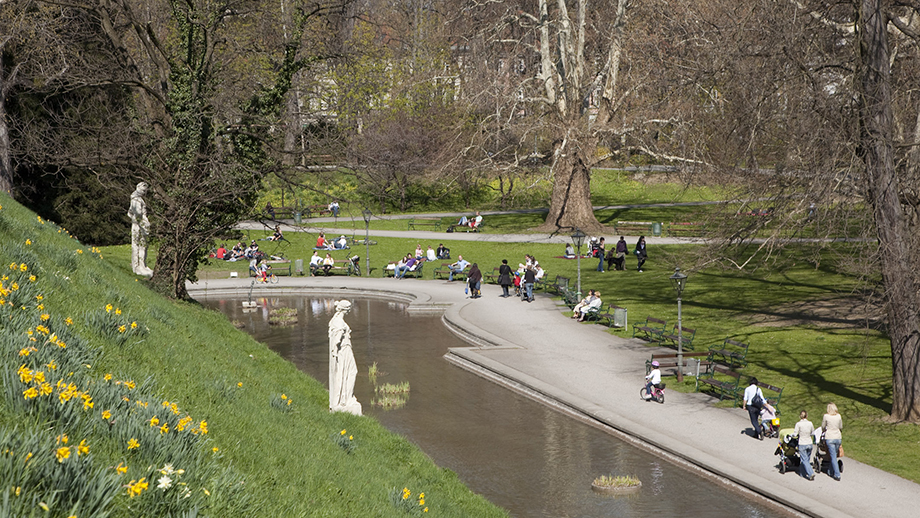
[(315, 262), (408, 262), (593, 305), (328, 263), (457, 267)]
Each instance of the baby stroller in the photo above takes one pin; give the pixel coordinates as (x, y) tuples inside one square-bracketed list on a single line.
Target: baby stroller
[(822, 461), (788, 451)]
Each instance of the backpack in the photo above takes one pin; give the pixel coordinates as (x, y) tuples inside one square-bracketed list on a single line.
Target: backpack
[(757, 401)]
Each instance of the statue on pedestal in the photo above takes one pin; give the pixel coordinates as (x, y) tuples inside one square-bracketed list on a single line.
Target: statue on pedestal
[(140, 227), (342, 367)]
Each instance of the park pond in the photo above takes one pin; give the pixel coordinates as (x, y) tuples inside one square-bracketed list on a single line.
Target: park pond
[(519, 454)]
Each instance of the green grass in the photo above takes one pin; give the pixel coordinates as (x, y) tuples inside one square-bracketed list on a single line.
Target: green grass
[(254, 460), (816, 360)]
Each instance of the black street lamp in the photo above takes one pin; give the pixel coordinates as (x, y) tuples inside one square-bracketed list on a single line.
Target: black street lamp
[(578, 239), (367, 243), (678, 280)]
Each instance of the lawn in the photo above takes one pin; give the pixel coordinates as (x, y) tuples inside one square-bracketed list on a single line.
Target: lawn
[(118, 402)]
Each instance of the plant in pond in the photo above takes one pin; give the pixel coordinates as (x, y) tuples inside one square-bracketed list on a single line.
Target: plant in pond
[(619, 483), (282, 317), (391, 396), (403, 501), (372, 373), (345, 441), (281, 402)]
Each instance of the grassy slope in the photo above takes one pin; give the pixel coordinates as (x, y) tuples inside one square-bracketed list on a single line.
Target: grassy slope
[(817, 362), (288, 463)]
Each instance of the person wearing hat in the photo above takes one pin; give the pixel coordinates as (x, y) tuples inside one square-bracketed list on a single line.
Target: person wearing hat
[(653, 378)]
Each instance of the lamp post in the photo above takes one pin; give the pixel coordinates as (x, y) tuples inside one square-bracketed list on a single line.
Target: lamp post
[(678, 280), (367, 243), (578, 239)]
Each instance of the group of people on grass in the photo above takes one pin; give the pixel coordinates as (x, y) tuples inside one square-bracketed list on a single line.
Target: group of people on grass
[(615, 257), (339, 243)]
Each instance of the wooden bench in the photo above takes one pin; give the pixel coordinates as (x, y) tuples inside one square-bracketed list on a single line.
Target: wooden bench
[(559, 284), (685, 228), (281, 212), (669, 360), (444, 271), (424, 222), (276, 267), (651, 329), (570, 298), (491, 277), (777, 393), (610, 316), (416, 271), (633, 228), (346, 268), (317, 210), (593, 314), (722, 381), (730, 352), (686, 336)]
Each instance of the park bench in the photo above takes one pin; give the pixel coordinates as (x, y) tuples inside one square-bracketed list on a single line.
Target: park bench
[(278, 267), (686, 336), (609, 315), (281, 213), (346, 268), (424, 222), (730, 352), (651, 329), (766, 388), (491, 277), (570, 298), (541, 284), (317, 210), (559, 284), (444, 271), (416, 271), (722, 381), (669, 360), (685, 228), (633, 228), (593, 314)]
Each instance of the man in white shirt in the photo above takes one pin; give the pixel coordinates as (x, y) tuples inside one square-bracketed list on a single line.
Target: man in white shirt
[(750, 393), (315, 263), (457, 267)]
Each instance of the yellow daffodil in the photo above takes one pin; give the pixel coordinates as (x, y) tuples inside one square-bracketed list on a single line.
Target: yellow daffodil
[(107, 377), (117, 311), (122, 328), (62, 453), (82, 448), (108, 308), (39, 377), (106, 415), (343, 432), (30, 393), (239, 385), (33, 278), (154, 421), (121, 468), (23, 267), (39, 297), (164, 429), (135, 488), (133, 444), (406, 493), (130, 385), (133, 325), (45, 389), (44, 316), (215, 449), (25, 374), (68, 321), (28, 241)]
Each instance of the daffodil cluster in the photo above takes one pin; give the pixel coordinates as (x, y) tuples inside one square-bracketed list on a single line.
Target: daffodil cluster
[(344, 440), (49, 378), (404, 501)]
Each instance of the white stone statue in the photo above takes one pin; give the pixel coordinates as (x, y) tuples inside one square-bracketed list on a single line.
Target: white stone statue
[(342, 367), (140, 227)]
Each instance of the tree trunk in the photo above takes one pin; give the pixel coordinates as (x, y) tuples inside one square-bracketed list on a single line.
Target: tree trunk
[(900, 289), (6, 168), (570, 205)]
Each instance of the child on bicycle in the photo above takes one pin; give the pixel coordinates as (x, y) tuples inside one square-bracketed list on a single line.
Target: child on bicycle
[(263, 271), (653, 378)]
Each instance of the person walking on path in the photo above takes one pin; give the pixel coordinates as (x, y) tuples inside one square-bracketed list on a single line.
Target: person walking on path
[(619, 258), (804, 430), (505, 278), (529, 278), (832, 424), (752, 402), (601, 254), (474, 279), (641, 253)]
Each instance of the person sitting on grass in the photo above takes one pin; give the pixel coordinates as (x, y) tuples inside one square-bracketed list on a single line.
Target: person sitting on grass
[(431, 256), (277, 236)]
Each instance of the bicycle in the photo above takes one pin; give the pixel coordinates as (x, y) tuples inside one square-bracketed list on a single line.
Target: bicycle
[(656, 395)]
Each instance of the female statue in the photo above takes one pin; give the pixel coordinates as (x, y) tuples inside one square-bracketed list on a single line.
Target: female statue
[(140, 227), (342, 367)]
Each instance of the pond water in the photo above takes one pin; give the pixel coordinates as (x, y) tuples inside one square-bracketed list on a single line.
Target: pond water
[(519, 454)]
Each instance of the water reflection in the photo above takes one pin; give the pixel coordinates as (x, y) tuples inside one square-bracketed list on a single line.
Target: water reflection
[(519, 454)]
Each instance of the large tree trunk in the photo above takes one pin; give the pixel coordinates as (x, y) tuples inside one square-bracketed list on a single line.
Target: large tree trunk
[(6, 168), (570, 205), (903, 300)]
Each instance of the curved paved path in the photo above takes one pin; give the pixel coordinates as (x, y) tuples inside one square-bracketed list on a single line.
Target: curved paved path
[(592, 375)]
